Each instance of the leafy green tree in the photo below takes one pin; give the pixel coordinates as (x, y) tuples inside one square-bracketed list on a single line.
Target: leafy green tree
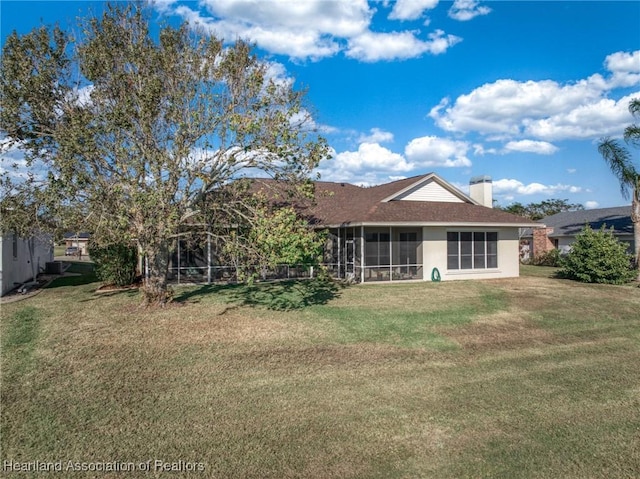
[(536, 211), (597, 257), (115, 264), (147, 133), (621, 162), (516, 208), (284, 238)]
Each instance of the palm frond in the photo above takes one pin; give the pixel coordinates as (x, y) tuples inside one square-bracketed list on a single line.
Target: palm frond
[(632, 134), (634, 107), (618, 159)]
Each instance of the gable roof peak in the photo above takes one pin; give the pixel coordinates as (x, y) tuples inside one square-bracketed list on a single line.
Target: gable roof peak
[(420, 181)]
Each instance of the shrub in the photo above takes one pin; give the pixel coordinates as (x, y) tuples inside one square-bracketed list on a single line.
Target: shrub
[(115, 264), (597, 257), (550, 258)]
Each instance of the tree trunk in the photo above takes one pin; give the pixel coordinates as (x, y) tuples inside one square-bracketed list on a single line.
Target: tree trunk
[(635, 217), (155, 290)]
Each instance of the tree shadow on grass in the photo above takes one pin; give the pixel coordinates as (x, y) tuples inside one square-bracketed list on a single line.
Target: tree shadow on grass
[(280, 296), (81, 274)]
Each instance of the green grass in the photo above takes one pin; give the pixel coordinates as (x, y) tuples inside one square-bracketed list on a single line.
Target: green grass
[(532, 377), (20, 340)]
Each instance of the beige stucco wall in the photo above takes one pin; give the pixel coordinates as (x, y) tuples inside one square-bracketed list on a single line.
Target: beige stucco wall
[(434, 254)]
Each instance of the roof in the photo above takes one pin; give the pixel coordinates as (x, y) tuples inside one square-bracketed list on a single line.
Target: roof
[(570, 223), (77, 235), (346, 204)]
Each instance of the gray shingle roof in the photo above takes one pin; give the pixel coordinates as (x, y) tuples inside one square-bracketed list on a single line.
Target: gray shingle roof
[(78, 235), (570, 223)]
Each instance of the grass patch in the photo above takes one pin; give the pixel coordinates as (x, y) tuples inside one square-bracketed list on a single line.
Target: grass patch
[(529, 377), (538, 271), (407, 327), (19, 339)]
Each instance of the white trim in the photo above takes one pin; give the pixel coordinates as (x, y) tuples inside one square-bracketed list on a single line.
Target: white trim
[(455, 224), (362, 252)]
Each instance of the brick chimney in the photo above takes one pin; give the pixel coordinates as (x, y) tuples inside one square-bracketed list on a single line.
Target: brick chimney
[(541, 241)]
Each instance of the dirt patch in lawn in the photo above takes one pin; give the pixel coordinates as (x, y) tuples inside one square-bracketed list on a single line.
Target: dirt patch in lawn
[(503, 330), (354, 356)]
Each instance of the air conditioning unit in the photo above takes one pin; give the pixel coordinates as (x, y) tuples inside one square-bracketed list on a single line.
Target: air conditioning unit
[(53, 267)]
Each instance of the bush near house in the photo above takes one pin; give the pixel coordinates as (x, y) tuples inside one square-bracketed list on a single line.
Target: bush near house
[(597, 257), (549, 258), (115, 264)]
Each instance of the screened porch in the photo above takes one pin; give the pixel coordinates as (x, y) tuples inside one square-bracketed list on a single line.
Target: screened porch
[(366, 254)]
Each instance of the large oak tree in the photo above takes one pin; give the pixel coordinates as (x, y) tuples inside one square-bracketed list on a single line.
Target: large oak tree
[(148, 132)]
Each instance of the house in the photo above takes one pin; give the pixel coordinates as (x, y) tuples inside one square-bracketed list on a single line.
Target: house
[(419, 228), (15, 261), (78, 240), (561, 229)]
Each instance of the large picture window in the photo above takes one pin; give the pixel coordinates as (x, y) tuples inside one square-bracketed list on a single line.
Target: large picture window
[(472, 250)]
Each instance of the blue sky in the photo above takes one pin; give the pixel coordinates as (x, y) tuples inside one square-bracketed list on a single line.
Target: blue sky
[(520, 91)]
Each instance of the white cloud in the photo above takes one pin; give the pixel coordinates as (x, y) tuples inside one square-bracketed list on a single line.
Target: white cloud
[(163, 6), (279, 38), (373, 156), (313, 29), (374, 164), (341, 18), (602, 118), (278, 73), (373, 47), (545, 110), (480, 150), (411, 9), (376, 135), (464, 10), (590, 205), (501, 107), (431, 151), (304, 120), (625, 68), (353, 167), (14, 165), (531, 146), (439, 42), (511, 187), (571, 170)]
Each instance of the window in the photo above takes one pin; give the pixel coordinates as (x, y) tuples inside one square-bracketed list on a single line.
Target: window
[(472, 250)]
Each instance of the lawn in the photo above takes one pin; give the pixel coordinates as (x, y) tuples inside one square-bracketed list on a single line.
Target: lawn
[(529, 377)]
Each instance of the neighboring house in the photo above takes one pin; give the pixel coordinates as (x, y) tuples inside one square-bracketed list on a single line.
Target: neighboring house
[(78, 240), (15, 260), (561, 229), (419, 228)]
